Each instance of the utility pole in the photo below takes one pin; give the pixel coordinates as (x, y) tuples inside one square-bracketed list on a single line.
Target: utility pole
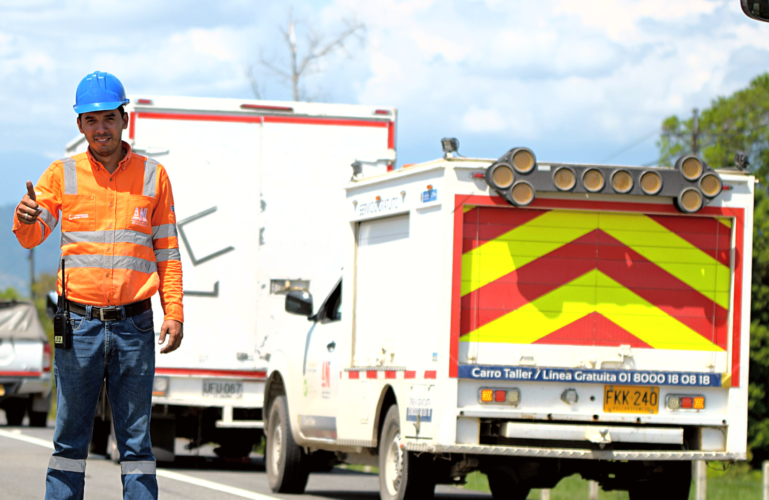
[(32, 274), (695, 132)]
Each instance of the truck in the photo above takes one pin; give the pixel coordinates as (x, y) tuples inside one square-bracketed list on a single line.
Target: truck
[(25, 364), (254, 182), (530, 320)]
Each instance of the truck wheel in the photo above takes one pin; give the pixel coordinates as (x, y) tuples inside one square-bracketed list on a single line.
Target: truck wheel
[(503, 488), (14, 413), (38, 419), (287, 464), (673, 482), (402, 474)]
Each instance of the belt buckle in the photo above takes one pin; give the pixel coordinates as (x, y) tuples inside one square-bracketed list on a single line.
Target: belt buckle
[(108, 309)]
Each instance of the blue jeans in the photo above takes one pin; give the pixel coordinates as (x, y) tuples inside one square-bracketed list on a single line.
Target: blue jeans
[(123, 352)]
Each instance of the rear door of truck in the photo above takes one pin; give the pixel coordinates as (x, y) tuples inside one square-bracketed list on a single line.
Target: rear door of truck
[(597, 290)]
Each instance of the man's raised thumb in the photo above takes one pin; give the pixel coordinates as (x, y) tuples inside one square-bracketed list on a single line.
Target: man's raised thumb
[(31, 190)]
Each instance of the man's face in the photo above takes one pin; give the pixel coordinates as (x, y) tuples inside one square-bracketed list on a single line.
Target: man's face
[(103, 130)]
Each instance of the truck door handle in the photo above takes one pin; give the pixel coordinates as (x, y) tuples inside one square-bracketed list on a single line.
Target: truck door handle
[(331, 346)]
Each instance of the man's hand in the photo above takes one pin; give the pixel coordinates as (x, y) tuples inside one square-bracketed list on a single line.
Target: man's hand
[(175, 330), (28, 209)]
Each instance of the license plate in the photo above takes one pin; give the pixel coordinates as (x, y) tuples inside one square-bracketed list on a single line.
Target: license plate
[(631, 399), (222, 389)]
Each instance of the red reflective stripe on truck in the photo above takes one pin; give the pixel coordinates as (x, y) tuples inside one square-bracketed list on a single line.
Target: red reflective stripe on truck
[(343, 122), (211, 373), (739, 224), (391, 135), (371, 374), (409, 374), (132, 125), (263, 119), (354, 375), (390, 374), (20, 374)]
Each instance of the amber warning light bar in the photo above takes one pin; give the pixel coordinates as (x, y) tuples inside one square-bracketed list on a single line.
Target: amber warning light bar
[(517, 177)]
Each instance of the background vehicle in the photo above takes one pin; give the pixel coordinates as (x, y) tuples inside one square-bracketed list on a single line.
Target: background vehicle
[(529, 320), (25, 364), (254, 184)]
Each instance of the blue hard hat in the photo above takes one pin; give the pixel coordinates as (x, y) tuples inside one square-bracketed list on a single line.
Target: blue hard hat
[(99, 91)]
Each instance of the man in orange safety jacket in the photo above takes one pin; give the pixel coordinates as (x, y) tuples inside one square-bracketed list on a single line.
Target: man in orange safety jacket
[(119, 244)]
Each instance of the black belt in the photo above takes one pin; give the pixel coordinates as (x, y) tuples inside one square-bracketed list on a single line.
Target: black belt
[(111, 313)]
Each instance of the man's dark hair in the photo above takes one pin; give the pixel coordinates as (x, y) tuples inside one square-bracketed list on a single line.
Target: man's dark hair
[(121, 110)]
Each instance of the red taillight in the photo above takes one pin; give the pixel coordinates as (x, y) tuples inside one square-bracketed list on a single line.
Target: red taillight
[(499, 396), (686, 403), (47, 357), (144, 101), (479, 175), (260, 107)]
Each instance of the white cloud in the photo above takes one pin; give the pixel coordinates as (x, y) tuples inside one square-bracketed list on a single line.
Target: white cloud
[(576, 80), (483, 120)]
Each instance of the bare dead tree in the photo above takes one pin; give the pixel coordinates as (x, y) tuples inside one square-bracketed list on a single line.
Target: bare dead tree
[(250, 73), (307, 59)]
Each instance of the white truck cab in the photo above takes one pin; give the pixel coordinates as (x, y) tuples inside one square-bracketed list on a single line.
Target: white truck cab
[(526, 319)]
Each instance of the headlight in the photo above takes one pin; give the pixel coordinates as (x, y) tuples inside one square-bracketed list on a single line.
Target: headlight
[(160, 386)]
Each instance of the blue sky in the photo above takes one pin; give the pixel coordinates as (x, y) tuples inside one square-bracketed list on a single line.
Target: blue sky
[(575, 81)]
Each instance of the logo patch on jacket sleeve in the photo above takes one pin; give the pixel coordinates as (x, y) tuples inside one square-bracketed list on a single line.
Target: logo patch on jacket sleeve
[(140, 217)]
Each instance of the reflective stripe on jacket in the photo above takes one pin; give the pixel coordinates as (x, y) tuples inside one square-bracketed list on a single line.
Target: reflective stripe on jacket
[(118, 231)]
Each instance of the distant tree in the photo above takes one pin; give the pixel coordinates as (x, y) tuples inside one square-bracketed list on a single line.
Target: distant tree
[(304, 59), (739, 123), (9, 293)]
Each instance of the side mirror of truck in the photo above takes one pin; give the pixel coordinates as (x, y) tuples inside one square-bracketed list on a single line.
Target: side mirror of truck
[(51, 304), (756, 9), (300, 303)]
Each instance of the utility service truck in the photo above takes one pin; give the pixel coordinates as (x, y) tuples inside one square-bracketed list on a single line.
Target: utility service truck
[(255, 184), (530, 320)]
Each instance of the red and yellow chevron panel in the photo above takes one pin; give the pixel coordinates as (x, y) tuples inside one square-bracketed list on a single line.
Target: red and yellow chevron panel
[(588, 278)]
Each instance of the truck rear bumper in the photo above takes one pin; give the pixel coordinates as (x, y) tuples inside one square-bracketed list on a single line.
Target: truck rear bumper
[(574, 453)]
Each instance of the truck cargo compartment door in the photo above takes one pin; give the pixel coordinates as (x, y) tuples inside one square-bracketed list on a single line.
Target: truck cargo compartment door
[(565, 288)]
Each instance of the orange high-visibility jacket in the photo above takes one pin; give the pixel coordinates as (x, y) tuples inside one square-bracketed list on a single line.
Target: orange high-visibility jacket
[(118, 231)]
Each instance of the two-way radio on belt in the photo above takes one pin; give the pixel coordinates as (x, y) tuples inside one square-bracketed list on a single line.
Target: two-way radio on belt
[(62, 332)]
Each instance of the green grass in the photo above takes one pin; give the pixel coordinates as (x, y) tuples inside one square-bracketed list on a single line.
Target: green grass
[(737, 483)]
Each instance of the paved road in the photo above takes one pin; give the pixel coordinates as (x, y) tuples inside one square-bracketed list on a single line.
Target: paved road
[(24, 454)]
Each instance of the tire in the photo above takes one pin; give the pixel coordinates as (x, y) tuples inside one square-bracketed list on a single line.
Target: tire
[(402, 474), (502, 488), (38, 419), (287, 464), (14, 414), (673, 483)]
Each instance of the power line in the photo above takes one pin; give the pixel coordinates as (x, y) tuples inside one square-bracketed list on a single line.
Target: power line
[(630, 146)]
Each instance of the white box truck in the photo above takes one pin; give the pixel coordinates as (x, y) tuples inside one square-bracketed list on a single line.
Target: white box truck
[(254, 183), (526, 319)]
